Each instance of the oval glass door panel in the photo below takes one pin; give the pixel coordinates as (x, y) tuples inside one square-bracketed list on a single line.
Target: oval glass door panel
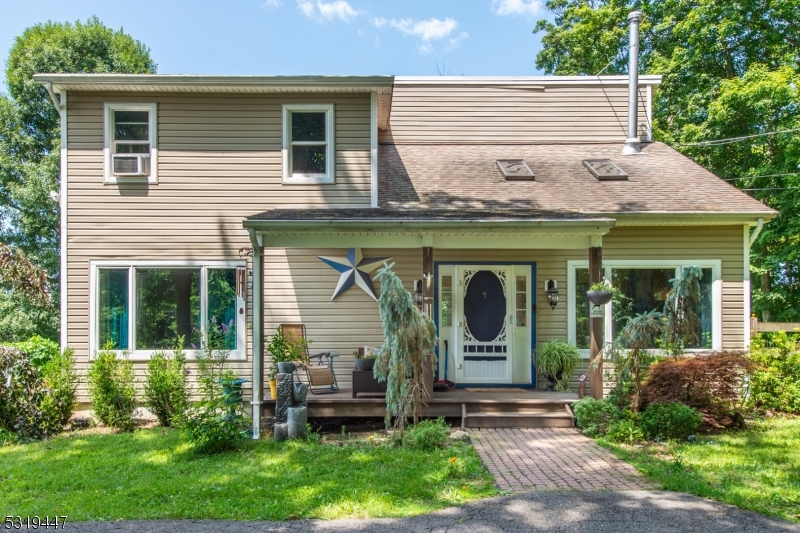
[(485, 306)]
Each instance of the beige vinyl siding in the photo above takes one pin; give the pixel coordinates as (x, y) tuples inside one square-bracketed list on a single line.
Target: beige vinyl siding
[(510, 115), (219, 162), (298, 288)]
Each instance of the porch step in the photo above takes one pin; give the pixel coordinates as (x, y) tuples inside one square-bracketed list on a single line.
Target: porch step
[(553, 416)]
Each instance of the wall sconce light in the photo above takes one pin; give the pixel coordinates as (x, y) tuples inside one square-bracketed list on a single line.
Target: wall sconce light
[(551, 289), (418, 292)]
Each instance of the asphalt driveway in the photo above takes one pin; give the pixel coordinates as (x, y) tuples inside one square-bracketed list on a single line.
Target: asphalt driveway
[(554, 512)]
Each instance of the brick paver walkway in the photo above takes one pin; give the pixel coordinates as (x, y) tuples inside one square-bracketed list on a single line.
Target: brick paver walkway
[(531, 459)]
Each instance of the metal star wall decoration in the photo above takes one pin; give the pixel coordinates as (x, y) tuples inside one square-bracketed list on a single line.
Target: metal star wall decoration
[(354, 269)]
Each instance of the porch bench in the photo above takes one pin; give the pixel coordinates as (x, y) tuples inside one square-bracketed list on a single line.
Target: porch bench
[(365, 383)]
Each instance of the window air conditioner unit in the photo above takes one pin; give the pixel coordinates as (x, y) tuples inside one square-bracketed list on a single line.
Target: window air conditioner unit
[(131, 164)]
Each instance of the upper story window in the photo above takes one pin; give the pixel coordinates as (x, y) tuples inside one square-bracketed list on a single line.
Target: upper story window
[(308, 144), (130, 142)]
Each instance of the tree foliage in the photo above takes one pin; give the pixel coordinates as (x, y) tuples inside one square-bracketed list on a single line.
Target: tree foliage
[(407, 351), (30, 138), (729, 69)]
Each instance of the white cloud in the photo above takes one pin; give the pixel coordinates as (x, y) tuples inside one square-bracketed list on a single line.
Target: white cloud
[(327, 11), (427, 30), (271, 4), (516, 7)]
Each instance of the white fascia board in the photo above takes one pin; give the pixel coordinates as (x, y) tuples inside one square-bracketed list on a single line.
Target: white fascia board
[(586, 227), (157, 82), (689, 218), (524, 80)]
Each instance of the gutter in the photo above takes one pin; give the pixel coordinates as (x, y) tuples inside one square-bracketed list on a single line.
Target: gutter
[(56, 101), (600, 225), (756, 231)]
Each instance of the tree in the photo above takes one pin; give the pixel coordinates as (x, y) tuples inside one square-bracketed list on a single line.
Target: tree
[(408, 346), (30, 138), (729, 69)]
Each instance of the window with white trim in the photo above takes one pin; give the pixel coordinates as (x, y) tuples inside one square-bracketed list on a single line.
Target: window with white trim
[(146, 307), (308, 143), (642, 286), (130, 149)]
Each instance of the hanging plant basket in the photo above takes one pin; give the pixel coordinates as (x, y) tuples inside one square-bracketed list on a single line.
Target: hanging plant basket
[(599, 297)]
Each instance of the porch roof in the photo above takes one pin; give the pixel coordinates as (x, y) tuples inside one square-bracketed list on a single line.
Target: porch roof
[(448, 228)]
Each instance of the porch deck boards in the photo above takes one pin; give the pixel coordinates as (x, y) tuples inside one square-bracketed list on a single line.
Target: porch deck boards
[(447, 403)]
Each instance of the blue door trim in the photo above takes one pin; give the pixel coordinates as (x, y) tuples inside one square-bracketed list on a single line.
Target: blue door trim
[(534, 321)]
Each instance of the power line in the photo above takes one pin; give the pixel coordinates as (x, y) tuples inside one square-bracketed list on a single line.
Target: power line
[(604, 89), (764, 176), (730, 140), (772, 189)]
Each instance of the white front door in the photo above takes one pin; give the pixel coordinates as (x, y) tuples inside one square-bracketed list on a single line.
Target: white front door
[(485, 323)]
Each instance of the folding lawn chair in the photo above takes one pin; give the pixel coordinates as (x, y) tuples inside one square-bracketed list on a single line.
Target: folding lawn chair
[(319, 367)]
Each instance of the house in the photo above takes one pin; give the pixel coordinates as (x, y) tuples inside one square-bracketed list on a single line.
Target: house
[(191, 200)]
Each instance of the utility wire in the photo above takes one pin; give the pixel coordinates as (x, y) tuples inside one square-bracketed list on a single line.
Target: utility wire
[(772, 189), (764, 176), (730, 140), (604, 89)]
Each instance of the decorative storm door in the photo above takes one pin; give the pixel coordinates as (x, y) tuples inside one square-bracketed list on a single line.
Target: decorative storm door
[(484, 336)]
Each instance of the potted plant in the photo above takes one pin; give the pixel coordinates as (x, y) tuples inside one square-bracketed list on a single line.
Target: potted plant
[(556, 360), (600, 293), (365, 362), (284, 355)]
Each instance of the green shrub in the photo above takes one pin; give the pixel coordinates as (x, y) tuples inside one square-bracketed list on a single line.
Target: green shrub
[(110, 380), (213, 430), (775, 383), (36, 402), (21, 394), (60, 382), (39, 351), (166, 390), (556, 360), (595, 417), (627, 431), (7, 438), (663, 421), (428, 434), (212, 425)]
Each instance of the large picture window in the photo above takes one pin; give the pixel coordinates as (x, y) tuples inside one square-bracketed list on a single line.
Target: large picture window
[(640, 288), (143, 308), (308, 143)]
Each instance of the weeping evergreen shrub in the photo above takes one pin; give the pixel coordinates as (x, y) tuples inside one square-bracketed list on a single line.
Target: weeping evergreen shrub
[(407, 351)]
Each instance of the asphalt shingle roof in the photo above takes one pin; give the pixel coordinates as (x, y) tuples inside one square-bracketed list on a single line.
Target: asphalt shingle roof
[(462, 181)]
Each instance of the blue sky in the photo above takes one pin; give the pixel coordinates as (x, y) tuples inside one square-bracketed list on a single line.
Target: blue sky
[(408, 37)]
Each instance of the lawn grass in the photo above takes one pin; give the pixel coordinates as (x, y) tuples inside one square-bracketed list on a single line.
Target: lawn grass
[(153, 474), (757, 468)]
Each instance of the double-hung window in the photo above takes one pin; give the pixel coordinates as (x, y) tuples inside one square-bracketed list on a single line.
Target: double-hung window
[(131, 148), (642, 286), (146, 307), (308, 143)]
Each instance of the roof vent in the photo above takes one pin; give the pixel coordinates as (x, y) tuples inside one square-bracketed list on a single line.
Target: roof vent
[(515, 170), (605, 169)]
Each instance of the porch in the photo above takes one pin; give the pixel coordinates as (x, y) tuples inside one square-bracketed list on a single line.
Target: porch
[(479, 407)]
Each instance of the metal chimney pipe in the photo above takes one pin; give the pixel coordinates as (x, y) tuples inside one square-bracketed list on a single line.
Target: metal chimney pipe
[(632, 144)]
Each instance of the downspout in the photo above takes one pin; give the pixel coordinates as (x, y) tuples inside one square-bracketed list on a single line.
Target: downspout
[(756, 231), (632, 144), (61, 106), (258, 331)]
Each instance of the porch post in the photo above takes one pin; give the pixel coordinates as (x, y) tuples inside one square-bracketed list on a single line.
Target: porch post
[(258, 334), (596, 327), (427, 281)]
